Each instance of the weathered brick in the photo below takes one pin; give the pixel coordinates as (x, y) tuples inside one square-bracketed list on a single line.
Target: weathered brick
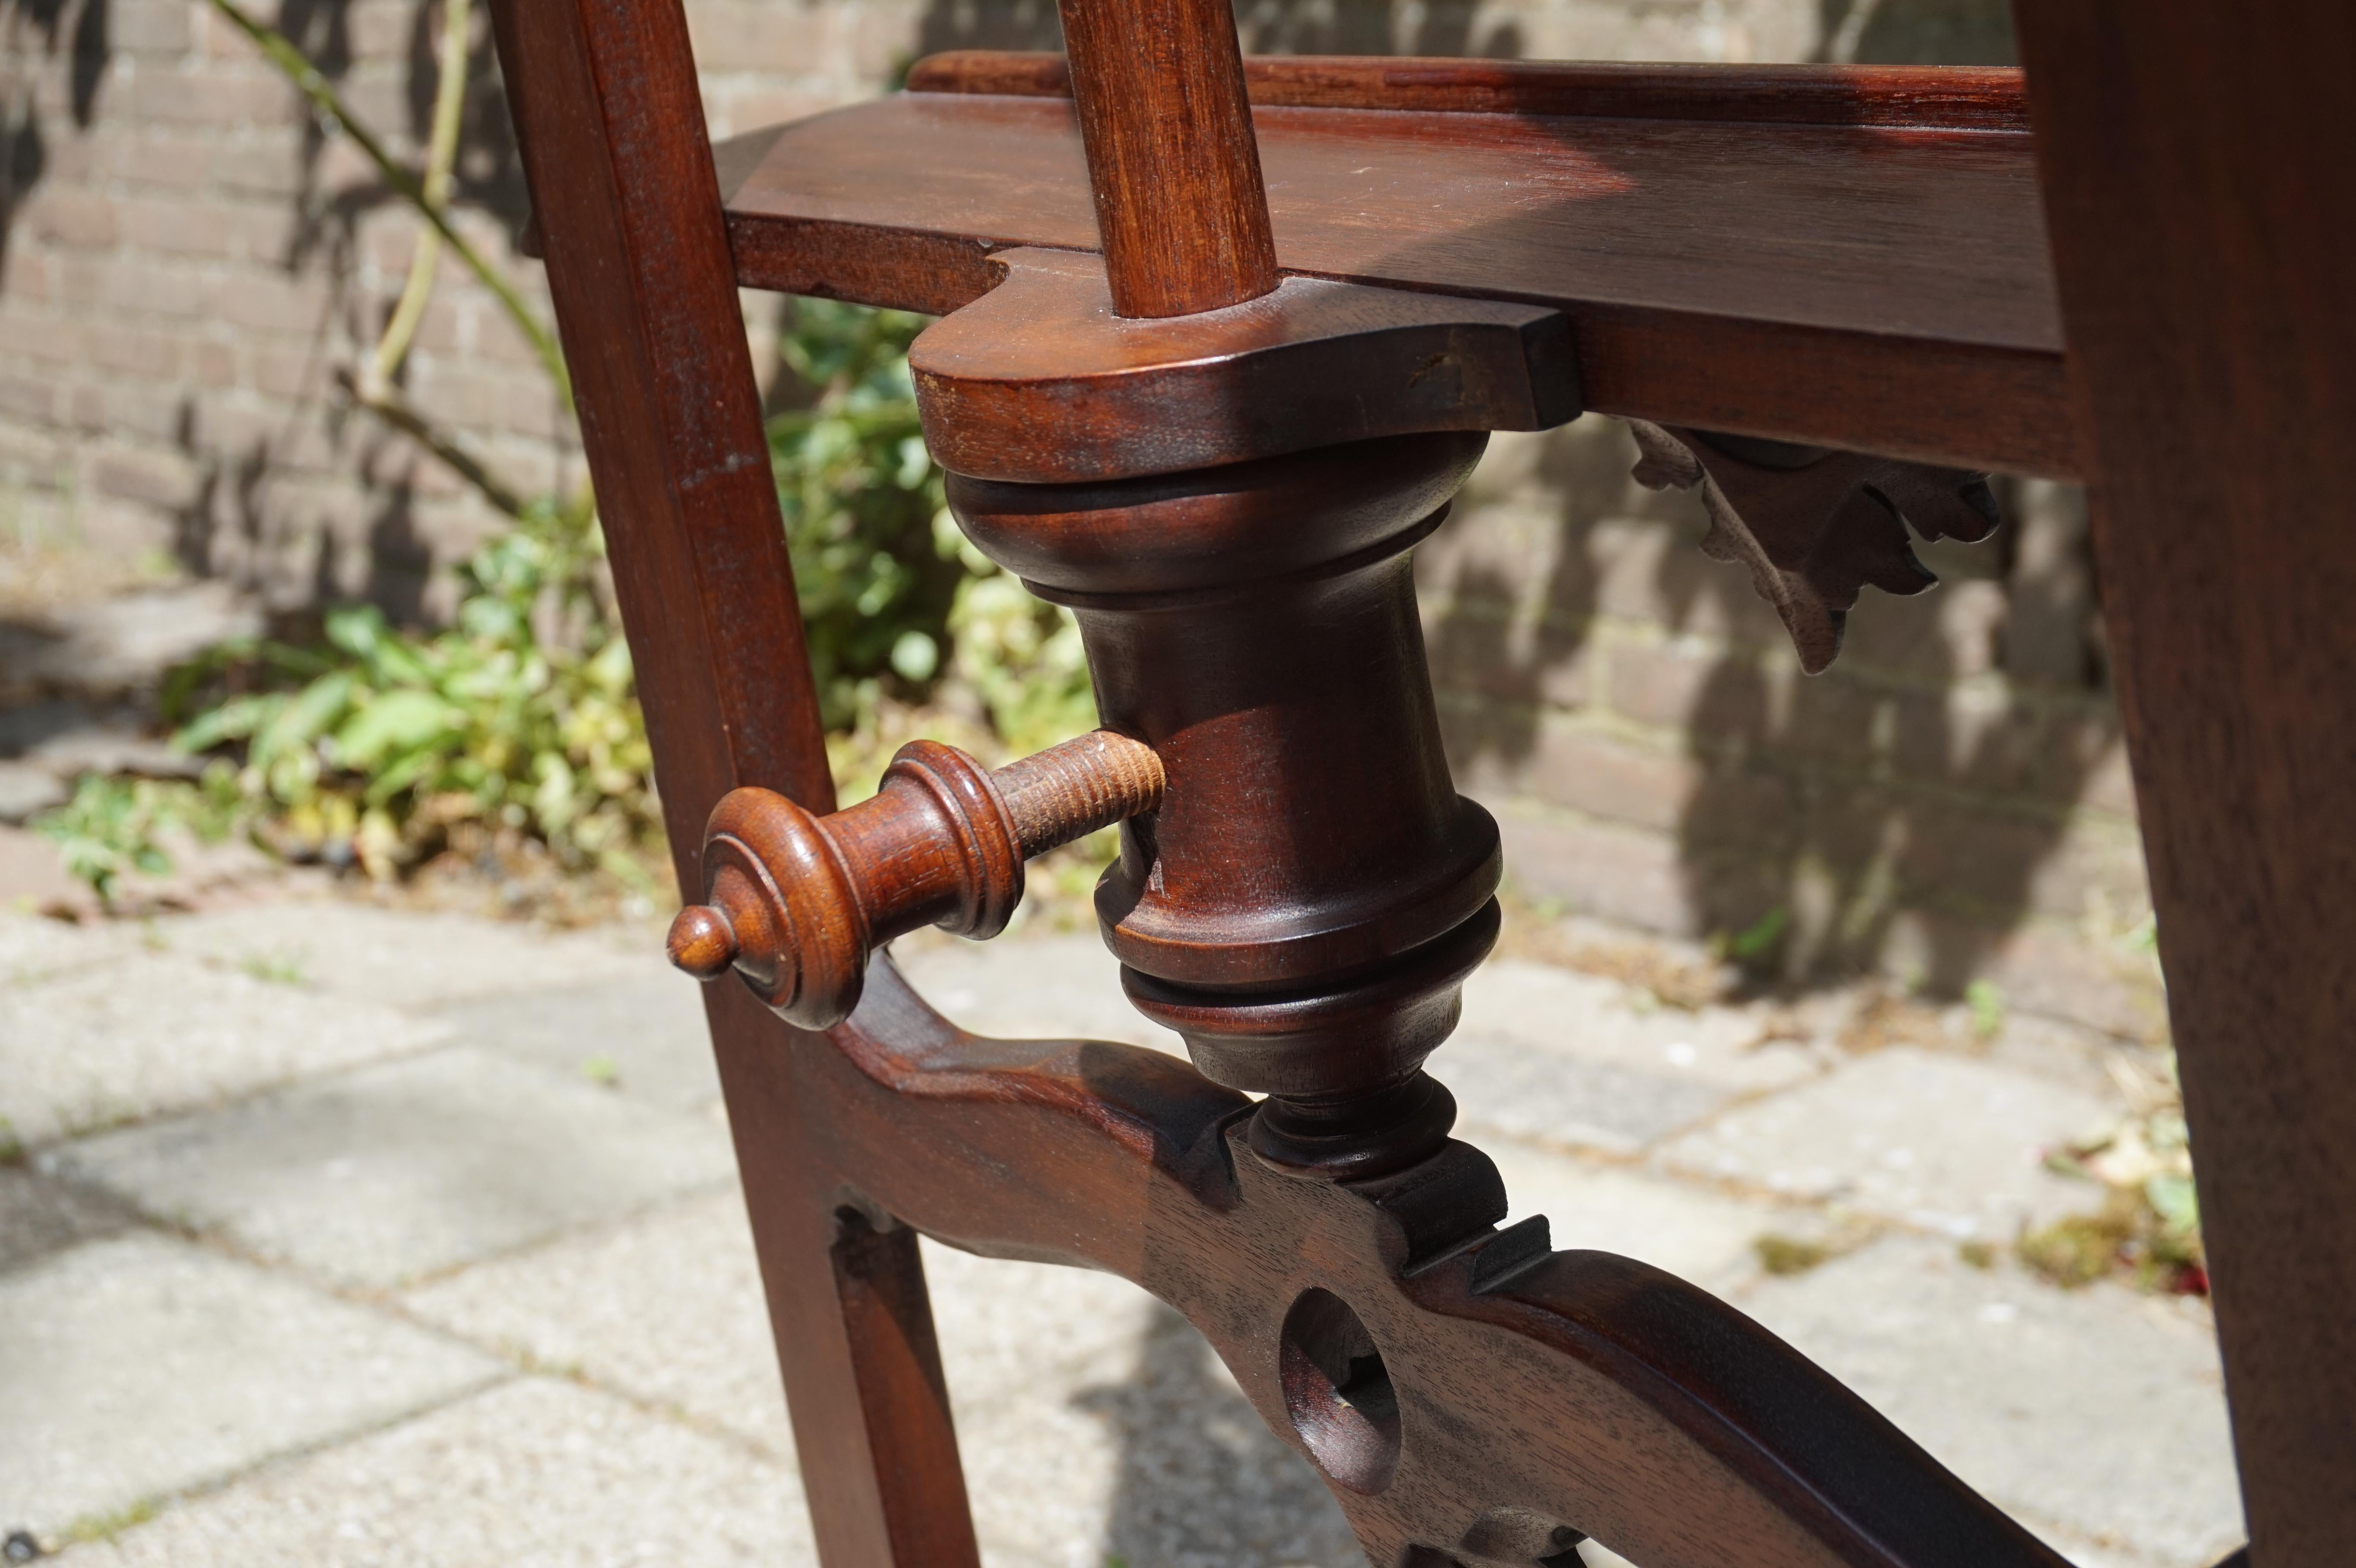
[(1662, 682), (260, 164), (25, 280), (30, 398), (157, 410), (213, 364), (132, 349), (1948, 633), (272, 302), (1586, 771), (146, 475), (177, 226), (763, 38), (160, 27), (1835, 716), (287, 370), (1480, 647), (68, 216), (1612, 873), (44, 338), (173, 162), (1980, 735), (216, 97), (139, 286), (381, 30)]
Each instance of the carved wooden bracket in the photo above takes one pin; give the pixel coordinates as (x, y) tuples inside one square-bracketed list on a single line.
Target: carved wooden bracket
[(1813, 525), (1473, 1397), (1040, 382)]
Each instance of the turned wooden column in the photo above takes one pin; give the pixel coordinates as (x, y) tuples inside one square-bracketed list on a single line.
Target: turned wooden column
[(1309, 895)]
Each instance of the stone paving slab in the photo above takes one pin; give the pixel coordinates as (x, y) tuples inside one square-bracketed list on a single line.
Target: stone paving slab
[(1160, 1463), (145, 1036), (668, 1309), (377, 1176), (645, 1035), (1065, 986), (1939, 1141), (407, 958), (1580, 1061), (536, 1474), (1700, 1236), (1564, 1014), (142, 1365), (39, 1216), (2097, 1416), (34, 947)]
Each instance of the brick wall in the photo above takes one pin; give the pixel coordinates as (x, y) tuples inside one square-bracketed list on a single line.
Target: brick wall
[(187, 256)]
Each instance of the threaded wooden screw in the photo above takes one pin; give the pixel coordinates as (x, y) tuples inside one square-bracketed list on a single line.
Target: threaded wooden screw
[(798, 902)]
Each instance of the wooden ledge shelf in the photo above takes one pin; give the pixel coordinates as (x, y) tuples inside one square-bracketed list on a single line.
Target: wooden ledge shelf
[(1861, 262)]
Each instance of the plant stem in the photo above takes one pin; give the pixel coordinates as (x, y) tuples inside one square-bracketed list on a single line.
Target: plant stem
[(306, 79), (387, 403), (441, 156)]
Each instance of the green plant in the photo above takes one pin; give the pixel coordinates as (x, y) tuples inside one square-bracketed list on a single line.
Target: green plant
[(113, 828), (518, 721), (2149, 1224), (518, 718), (860, 494)]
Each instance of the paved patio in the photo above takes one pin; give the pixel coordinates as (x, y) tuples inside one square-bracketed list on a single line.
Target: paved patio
[(346, 1235)]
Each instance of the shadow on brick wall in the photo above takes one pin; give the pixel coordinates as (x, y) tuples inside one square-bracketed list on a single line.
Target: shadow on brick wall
[(227, 518), (1909, 808), (33, 36)]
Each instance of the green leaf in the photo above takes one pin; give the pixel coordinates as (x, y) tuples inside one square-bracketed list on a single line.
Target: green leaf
[(395, 722)]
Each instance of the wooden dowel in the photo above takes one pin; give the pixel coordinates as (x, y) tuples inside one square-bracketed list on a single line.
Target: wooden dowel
[(1180, 205)]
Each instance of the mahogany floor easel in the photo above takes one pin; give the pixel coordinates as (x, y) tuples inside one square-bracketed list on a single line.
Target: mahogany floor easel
[(1221, 338)]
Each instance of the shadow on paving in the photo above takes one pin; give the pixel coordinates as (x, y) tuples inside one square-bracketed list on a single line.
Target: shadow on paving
[(1202, 1483)]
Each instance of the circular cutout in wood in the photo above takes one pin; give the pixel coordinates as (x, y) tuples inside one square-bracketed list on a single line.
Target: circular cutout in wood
[(1339, 1393)]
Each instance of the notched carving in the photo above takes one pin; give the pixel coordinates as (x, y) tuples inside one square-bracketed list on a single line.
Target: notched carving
[(1813, 525)]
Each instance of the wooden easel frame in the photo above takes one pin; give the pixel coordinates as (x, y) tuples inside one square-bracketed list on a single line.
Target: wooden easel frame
[(2198, 196)]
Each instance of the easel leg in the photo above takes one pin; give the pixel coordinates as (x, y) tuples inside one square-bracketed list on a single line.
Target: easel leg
[(2195, 171)]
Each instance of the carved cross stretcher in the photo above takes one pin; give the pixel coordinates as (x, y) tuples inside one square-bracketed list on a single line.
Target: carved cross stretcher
[(1220, 338)]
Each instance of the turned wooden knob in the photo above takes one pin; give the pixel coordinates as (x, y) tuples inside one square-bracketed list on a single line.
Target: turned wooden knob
[(796, 903)]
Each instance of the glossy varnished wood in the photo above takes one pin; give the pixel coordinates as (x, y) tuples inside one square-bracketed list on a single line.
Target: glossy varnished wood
[(611, 127), (1042, 382), (1172, 173), (2200, 189), (1921, 97), (1863, 287), (1536, 1391), (794, 903)]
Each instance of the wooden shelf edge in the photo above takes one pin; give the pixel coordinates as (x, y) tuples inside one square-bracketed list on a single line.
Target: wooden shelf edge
[(1898, 397), (1930, 98)]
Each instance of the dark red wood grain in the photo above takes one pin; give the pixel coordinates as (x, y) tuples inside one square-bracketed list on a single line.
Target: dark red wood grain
[(1172, 171), (1535, 1389), (1040, 382), (2204, 217), (612, 130), (1866, 286), (1923, 97)]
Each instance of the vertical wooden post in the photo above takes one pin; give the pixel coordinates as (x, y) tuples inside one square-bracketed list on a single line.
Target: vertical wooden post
[(611, 124), (2196, 171), (1179, 203)]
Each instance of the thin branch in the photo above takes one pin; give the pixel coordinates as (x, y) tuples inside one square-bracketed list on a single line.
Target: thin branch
[(378, 371), (297, 68), (389, 405)]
